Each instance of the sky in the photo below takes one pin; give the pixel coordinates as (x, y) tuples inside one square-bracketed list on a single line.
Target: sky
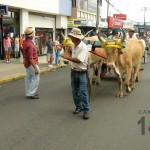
[(134, 9)]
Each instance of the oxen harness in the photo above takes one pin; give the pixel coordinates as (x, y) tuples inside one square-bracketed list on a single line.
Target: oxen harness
[(114, 43)]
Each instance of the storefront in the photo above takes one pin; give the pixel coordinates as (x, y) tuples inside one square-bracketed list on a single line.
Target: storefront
[(10, 24), (44, 26)]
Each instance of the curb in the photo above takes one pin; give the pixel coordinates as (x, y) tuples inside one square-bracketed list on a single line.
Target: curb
[(18, 76)]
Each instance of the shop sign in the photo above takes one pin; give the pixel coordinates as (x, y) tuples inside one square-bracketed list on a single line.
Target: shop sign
[(74, 22), (120, 16), (3, 10), (81, 22), (114, 23), (88, 23), (140, 26)]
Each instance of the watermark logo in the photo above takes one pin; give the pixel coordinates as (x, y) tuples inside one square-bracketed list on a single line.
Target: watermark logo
[(143, 122)]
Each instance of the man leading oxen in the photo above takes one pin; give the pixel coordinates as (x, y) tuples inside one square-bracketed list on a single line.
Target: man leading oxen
[(94, 61), (124, 60)]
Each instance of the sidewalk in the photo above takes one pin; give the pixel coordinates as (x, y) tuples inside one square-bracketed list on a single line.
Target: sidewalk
[(15, 70)]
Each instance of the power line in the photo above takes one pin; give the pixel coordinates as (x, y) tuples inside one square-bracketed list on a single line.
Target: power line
[(108, 1)]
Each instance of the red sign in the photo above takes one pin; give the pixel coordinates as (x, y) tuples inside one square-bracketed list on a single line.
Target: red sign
[(120, 16), (114, 23)]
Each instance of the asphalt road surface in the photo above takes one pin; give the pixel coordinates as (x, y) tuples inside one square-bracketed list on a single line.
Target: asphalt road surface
[(48, 123)]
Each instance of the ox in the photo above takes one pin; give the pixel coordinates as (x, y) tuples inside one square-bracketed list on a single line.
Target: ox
[(94, 61), (124, 60), (96, 57)]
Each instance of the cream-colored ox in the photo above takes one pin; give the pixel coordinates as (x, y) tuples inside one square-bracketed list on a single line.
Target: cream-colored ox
[(96, 58), (94, 61), (124, 60)]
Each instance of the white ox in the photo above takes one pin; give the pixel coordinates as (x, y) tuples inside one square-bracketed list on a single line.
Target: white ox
[(124, 60), (96, 59)]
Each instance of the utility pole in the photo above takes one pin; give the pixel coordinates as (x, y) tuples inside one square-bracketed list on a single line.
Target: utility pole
[(145, 9), (107, 14), (99, 4)]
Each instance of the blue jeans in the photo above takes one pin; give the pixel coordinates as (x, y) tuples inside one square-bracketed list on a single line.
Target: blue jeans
[(79, 83), (31, 81), (57, 57)]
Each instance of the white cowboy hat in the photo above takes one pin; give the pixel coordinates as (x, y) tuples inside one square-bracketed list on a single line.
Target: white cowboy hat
[(76, 33)]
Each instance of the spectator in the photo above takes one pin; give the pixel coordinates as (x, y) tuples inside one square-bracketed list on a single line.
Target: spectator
[(58, 48), (31, 64), (17, 46), (50, 53), (114, 35), (22, 38), (131, 34), (7, 47)]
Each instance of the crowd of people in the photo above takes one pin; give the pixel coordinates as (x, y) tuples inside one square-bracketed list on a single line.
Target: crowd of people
[(13, 48)]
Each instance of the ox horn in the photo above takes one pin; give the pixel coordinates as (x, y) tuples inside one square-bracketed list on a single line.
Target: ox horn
[(63, 36), (101, 39), (124, 35), (88, 33)]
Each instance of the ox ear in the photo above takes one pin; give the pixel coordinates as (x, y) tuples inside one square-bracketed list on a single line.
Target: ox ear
[(101, 39), (66, 40)]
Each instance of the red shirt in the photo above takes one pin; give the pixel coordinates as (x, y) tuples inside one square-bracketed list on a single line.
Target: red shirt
[(29, 52)]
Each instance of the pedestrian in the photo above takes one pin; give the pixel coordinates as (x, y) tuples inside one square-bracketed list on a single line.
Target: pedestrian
[(17, 46), (22, 38), (58, 48), (7, 47), (131, 33), (30, 56), (114, 35), (79, 76), (50, 53)]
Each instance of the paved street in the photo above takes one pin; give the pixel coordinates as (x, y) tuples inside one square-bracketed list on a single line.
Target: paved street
[(48, 123)]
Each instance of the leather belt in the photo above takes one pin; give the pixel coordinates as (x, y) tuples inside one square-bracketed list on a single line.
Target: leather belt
[(78, 70)]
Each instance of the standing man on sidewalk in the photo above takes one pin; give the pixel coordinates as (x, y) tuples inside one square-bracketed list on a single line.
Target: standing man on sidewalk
[(30, 56), (79, 77)]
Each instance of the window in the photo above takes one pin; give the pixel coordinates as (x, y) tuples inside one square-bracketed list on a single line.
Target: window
[(74, 3)]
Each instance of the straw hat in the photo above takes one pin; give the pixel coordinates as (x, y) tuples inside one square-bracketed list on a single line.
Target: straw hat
[(132, 29), (76, 33), (29, 32)]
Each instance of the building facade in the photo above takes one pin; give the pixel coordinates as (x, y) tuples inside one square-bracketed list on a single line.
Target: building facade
[(46, 17)]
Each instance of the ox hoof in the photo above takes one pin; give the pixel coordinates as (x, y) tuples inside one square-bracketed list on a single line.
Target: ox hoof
[(128, 90), (120, 94)]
